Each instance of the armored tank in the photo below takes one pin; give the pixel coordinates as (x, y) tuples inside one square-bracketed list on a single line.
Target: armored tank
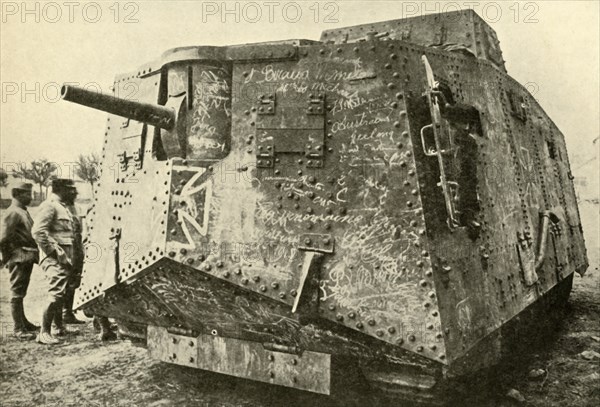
[(387, 195)]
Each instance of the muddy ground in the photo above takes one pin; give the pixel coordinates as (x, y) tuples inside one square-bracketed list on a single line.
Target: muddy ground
[(83, 371), (86, 372)]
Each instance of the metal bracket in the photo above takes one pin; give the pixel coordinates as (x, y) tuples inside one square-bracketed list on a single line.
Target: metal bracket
[(317, 243), (136, 156), (307, 300), (290, 129), (267, 104), (316, 105)]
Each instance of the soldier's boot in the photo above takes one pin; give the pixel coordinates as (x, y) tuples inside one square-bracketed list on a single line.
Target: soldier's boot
[(19, 331), (45, 337), (60, 328), (67, 314), (106, 332), (29, 327)]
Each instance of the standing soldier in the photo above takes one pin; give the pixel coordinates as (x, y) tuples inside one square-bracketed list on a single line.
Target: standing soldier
[(57, 233), (19, 253)]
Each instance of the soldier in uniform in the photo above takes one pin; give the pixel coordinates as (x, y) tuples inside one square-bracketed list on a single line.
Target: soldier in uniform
[(19, 254), (58, 235)]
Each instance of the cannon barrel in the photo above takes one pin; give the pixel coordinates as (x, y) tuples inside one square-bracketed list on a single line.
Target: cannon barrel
[(155, 115)]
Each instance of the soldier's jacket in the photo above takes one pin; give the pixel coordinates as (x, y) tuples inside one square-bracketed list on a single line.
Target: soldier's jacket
[(16, 243), (57, 225)]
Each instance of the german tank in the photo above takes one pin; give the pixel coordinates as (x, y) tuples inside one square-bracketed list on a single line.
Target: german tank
[(387, 194)]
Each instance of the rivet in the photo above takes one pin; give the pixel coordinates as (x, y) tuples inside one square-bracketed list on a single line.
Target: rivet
[(371, 322), (423, 283), (339, 317), (359, 325), (275, 285), (379, 332), (391, 330), (207, 267), (256, 279), (263, 288), (411, 338), (351, 315)]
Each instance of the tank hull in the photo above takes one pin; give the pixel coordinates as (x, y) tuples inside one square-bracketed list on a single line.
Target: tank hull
[(391, 201)]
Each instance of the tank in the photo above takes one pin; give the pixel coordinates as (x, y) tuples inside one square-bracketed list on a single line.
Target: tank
[(387, 195)]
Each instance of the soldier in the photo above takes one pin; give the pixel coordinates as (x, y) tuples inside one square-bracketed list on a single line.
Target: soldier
[(57, 233), (19, 253)]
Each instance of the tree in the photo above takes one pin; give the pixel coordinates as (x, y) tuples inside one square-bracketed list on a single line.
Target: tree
[(88, 168), (3, 178), (39, 172)]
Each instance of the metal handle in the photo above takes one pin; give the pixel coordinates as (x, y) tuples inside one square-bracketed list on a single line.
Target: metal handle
[(547, 216)]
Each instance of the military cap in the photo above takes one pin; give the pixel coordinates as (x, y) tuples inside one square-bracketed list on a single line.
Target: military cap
[(59, 183), (23, 186)]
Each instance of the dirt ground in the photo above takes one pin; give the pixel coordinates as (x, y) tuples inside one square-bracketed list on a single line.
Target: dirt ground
[(83, 371)]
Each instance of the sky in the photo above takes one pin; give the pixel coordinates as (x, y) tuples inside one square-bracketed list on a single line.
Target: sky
[(551, 46)]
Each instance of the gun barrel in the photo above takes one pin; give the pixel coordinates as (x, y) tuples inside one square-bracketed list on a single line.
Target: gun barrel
[(155, 115)]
